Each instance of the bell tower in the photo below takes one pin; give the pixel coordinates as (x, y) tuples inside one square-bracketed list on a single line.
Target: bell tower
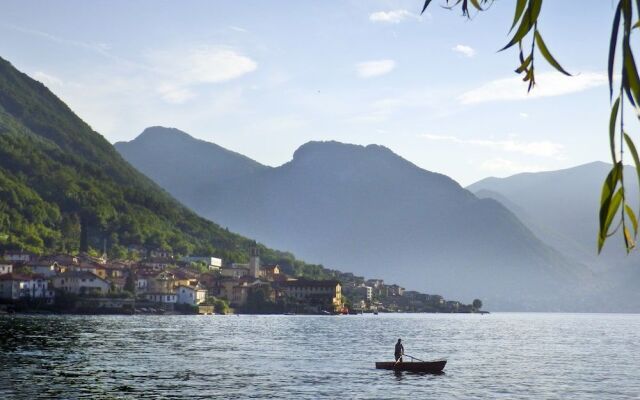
[(254, 262)]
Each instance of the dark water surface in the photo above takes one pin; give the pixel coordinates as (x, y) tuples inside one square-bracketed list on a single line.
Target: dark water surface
[(509, 356)]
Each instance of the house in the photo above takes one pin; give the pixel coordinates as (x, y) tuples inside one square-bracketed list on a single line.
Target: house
[(63, 260), (81, 283), (236, 271), (6, 268), (182, 277), (158, 263), (192, 295), (19, 256), (395, 290), (16, 286), (363, 292), (323, 294), (270, 272), (141, 284), (162, 282), (45, 268), (162, 297)]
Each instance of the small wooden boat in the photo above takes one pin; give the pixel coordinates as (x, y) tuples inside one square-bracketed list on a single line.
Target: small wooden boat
[(418, 366)]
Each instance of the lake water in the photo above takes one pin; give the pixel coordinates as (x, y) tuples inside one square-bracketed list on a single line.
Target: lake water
[(510, 356)]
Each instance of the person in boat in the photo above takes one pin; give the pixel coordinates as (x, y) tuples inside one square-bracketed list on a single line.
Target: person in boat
[(399, 351)]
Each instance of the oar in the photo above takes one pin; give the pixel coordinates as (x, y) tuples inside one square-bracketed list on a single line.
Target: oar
[(412, 357), (398, 360)]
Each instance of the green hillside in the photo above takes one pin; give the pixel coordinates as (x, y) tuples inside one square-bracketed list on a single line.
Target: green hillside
[(63, 187)]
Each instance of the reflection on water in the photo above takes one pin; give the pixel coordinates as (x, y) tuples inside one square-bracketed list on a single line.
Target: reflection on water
[(309, 357)]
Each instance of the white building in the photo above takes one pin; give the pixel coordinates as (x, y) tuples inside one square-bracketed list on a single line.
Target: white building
[(165, 298), (191, 295), (6, 269), (14, 287), (142, 284), (81, 282)]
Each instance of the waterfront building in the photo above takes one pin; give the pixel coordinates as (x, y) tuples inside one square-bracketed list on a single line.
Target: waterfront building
[(17, 286), (323, 294), (192, 295), (162, 297), (81, 282)]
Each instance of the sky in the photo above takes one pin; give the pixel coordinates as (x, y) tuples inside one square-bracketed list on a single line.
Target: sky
[(264, 77)]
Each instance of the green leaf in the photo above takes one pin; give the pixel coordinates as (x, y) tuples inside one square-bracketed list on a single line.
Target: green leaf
[(612, 46), (610, 182), (628, 240), (634, 220), (607, 202), (609, 212), (524, 65), (476, 5), (519, 10), (528, 21), (547, 55), (631, 74), (612, 128)]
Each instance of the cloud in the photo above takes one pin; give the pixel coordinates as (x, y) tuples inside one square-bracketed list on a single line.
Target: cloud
[(524, 115), (183, 70), (548, 84), (47, 79), (174, 94), (238, 29), (541, 149), (464, 50), (392, 16), (203, 64), (501, 165), (370, 69)]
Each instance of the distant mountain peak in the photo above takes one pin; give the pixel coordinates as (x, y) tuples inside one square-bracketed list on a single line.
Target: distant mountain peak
[(332, 151), (162, 133)]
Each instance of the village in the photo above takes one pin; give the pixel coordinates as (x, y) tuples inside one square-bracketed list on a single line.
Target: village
[(160, 283)]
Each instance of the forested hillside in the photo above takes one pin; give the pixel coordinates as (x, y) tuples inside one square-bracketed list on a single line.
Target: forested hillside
[(63, 187)]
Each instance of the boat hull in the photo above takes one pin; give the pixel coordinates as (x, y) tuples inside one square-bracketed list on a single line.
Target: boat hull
[(423, 366)]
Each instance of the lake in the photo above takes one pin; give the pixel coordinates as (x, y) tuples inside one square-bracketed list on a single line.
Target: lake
[(502, 355)]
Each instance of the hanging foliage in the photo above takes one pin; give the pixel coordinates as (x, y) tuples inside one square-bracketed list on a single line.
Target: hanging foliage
[(616, 214)]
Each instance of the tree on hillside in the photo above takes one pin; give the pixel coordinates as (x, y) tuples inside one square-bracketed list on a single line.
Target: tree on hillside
[(529, 41)]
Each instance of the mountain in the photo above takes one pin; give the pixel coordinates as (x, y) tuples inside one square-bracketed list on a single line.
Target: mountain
[(208, 163), (561, 207), (369, 211), (63, 187)]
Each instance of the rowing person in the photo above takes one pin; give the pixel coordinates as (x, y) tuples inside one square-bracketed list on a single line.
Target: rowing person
[(399, 351)]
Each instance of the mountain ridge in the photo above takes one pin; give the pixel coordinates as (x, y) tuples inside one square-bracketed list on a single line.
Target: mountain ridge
[(352, 206)]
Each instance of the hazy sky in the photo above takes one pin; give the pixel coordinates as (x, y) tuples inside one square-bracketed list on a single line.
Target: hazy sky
[(263, 77)]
